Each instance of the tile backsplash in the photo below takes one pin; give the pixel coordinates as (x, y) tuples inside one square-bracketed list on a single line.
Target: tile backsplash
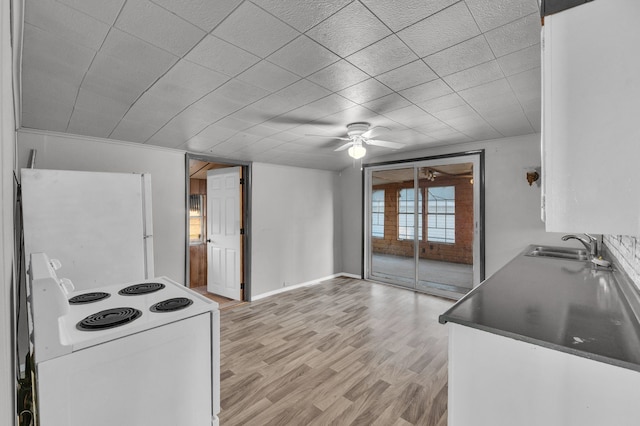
[(626, 249)]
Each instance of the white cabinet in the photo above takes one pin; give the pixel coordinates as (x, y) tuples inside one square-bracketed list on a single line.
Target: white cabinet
[(498, 381), (591, 118)]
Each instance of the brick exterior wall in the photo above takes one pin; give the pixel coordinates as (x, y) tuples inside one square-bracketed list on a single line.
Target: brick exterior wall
[(460, 252), (626, 250)]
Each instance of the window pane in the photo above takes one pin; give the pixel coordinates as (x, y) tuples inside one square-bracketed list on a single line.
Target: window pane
[(377, 213), (406, 206), (441, 219)]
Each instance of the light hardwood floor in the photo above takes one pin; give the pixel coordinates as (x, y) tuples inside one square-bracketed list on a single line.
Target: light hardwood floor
[(343, 352)]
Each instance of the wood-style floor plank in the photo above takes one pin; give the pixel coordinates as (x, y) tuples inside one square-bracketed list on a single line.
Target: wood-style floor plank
[(343, 352)]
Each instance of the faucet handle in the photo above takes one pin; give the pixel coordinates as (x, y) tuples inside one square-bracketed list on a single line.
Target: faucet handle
[(591, 237)]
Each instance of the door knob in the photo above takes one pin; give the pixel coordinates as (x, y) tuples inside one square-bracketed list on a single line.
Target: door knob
[(209, 240)]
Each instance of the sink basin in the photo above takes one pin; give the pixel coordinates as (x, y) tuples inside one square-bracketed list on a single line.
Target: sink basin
[(559, 253)]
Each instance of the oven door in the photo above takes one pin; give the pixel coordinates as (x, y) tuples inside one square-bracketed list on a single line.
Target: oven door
[(158, 377)]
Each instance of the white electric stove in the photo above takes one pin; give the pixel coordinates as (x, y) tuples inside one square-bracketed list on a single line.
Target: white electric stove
[(138, 353)]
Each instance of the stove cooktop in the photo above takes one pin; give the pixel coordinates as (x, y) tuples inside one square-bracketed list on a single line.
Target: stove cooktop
[(128, 308)]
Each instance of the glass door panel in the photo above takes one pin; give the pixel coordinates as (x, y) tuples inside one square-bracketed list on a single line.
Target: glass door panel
[(445, 254), (394, 211), (424, 224)]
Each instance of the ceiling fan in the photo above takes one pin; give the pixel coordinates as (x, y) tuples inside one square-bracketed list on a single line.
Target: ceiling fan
[(358, 135)]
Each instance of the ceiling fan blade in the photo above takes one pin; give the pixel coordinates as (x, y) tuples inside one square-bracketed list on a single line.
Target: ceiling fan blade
[(386, 144), (329, 137), (369, 133), (343, 147)]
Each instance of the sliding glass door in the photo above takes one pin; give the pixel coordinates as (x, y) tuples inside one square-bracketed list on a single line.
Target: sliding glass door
[(424, 224)]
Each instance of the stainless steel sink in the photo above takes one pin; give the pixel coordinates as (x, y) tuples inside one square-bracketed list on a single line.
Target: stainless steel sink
[(559, 253)]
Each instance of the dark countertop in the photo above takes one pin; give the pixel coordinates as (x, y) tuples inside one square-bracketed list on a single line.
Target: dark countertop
[(566, 305)]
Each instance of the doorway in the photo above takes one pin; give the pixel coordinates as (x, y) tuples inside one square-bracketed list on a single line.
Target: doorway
[(424, 223), (217, 223)]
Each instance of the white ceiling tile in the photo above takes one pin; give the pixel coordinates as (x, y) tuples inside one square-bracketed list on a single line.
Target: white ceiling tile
[(301, 15), (177, 131), (105, 11), (382, 56), (254, 30), (153, 110), (206, 14), (260, 146), (440, 31), (411, 116), (91, 123), (66, 23), (52, 116), (513, 123), (138, 53), (338, 76), (490, 14), (41, 84), (262, 131), (460, 56), (271, 106), (349, 30), (426, 91), (461, 111), (158, 26), (475, 76), (407, 76), (268, 76), (521, 60), (477, 129), (365, 91), (535, 118), (47, 53), (442, 103), (193, 80), (253, 114), (303, 56), (209, 137), (302, 92), (234, 123), (515, 36), (351, 115), (98, 104), (387, 103), (490, 96), (527, 86), (218, 55), (321, 108), (241, 92), (217, 105), (433, 126), (133, 131), (116, 79), (400, 15)]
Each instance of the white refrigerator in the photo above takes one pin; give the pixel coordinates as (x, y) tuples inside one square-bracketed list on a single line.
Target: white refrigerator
[(97, 224)]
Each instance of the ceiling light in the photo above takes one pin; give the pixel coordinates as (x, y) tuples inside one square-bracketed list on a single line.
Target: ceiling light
[(357, 151)]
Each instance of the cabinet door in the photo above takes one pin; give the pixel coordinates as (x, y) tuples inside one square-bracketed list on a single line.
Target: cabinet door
[(591, 118)]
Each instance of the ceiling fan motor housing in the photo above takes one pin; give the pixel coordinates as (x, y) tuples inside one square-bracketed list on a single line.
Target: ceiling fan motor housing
[(357, 129)]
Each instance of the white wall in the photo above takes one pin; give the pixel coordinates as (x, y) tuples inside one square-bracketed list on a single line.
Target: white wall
[(167, 168), (7, 265), (295, 221), (512, 207)]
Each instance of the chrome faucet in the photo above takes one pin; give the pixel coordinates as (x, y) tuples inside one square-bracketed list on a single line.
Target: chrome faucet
[(590, 243)]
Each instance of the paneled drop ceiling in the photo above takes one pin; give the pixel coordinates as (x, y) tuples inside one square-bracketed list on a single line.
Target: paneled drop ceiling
[(247, 80)]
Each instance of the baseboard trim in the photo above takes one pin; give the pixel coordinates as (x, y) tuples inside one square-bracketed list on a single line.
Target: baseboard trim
[(305, 284)]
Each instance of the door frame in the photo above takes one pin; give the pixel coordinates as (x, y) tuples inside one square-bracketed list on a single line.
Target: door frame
[(245, 214), (366, 194)]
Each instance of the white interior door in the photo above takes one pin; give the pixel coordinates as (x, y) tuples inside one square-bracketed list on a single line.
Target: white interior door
[(223, 232)]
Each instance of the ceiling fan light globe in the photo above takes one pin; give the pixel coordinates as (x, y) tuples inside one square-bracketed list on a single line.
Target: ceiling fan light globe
[(357, 151)]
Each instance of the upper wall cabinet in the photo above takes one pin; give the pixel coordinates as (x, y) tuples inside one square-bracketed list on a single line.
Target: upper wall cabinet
[(591, 118)]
